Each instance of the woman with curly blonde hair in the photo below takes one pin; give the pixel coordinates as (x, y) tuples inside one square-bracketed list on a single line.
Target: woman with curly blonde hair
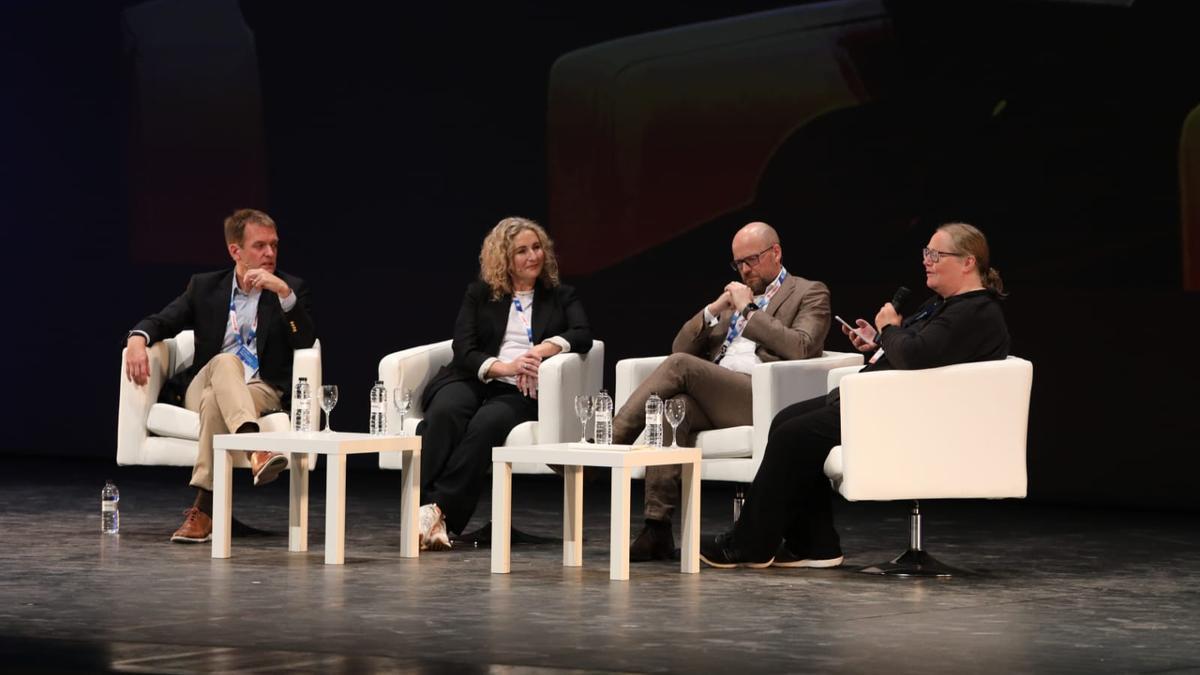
[(516, 316)]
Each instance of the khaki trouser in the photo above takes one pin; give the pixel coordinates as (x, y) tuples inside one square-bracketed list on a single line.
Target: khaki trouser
[(715, 398), (225, 402)]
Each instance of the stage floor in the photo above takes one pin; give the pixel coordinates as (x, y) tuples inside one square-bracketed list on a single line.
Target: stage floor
[(1065, 590)]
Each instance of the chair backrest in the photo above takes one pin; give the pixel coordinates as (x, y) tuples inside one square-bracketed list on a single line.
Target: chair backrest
[(181, 350), (952, 432), (414, 368)]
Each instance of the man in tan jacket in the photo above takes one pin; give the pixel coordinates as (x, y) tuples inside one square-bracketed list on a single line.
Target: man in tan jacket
[(769, 316)]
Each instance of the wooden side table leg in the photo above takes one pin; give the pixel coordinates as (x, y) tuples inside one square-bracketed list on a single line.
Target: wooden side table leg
[(410, 504), (501, 516), (618, 568), (298, 503), (689, 559), (335, 510), (572, 516), (222, 503)]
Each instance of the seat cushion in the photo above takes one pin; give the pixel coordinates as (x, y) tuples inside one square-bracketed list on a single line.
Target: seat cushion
[(524, 433), (833, 466), (727, 442), (173, 421)]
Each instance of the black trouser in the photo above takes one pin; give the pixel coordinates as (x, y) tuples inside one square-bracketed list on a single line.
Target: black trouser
[(462, 424), (790, 497)]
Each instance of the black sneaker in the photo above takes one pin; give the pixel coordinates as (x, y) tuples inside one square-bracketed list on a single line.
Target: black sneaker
[(655, 542), (719, 552), (785, 558)]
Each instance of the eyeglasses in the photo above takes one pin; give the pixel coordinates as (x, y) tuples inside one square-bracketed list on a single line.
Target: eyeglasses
[(750, 260), (935, 255)]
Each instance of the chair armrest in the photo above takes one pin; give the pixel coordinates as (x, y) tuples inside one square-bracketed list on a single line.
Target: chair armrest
[(938, 433), (134, 404), (559, 379), (630, 374), (835, 376), (412, 368), (778, 384)]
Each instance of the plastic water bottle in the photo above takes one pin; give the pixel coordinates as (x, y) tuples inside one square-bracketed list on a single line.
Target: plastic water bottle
[(110, 511), (301, 404), (604, 413), (654, 409), (378, 425)]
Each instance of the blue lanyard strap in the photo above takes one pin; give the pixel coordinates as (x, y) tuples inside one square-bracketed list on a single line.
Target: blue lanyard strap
[(524, 319), (237, 333), (926, 311), (736, 322)]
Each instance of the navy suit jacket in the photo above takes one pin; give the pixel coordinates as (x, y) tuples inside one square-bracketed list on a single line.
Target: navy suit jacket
[(204, 308)]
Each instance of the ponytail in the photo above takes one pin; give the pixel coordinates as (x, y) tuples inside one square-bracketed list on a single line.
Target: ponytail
[(992, 281)]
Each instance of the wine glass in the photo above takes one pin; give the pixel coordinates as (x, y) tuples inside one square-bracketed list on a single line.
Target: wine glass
[(402, 399), (675, 409), (584, 404), (329, 396)]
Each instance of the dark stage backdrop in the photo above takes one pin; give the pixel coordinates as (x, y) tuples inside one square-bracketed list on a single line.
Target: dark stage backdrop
[(387, 139)]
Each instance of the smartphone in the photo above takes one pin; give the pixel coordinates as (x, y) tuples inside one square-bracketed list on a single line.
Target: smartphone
[(855, 330)]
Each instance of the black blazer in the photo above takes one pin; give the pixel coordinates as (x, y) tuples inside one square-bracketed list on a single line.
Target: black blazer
[(204, 307), (479, 329)]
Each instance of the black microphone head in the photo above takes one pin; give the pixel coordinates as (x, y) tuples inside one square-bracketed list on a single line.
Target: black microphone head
[(899, 297)]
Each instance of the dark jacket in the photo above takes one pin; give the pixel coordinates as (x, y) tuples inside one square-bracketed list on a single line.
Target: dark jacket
[(204, 308), (479, 329), (960, 329)]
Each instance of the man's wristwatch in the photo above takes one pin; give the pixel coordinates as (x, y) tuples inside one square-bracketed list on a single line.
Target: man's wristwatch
[(750, 307)]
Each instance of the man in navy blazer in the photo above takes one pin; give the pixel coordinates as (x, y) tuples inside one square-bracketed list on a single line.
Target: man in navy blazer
[(247, 322)]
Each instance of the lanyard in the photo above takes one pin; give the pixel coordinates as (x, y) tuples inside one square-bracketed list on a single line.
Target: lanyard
[(237, 333), (524, 319), (926, 311), (737, 322)]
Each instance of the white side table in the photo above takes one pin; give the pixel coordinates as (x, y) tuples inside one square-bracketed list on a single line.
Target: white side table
[(336, 446), (573, 457)]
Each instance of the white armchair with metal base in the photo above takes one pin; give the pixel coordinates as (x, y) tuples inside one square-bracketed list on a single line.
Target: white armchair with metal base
[(956, 432), (734, 453), (560, 379), (153, 433)]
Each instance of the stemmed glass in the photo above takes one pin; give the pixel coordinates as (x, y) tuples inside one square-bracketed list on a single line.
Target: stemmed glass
[(584, 404), (402, 399), (675, 410), (329, 396)]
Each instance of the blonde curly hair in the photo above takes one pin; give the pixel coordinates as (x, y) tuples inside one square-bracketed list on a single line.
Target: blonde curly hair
[(495, 257)]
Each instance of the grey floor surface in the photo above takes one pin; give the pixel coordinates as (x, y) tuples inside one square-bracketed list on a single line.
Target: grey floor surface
[(1063, 590)]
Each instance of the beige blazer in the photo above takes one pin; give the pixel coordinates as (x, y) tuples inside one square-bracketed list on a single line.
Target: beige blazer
[(793, 325)]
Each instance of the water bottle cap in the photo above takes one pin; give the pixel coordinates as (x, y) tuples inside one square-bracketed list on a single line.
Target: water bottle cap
[(378, 381), (304, 379)]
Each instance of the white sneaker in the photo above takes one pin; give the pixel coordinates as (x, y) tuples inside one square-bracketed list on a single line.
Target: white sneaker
[(433, 529)]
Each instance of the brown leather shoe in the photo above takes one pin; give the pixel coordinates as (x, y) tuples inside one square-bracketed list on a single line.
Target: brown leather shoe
[(196, 528), (655, 542), (266, 466)]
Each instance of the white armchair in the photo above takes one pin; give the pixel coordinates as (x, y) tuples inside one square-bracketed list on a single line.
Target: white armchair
[(560, 379), (956, 432), (155, 433), (734, 453)]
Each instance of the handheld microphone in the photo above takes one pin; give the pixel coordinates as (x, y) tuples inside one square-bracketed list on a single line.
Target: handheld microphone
[(899, 297)]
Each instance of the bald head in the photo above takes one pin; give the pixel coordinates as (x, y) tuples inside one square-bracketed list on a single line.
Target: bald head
[(757, 242), (758, 234)]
